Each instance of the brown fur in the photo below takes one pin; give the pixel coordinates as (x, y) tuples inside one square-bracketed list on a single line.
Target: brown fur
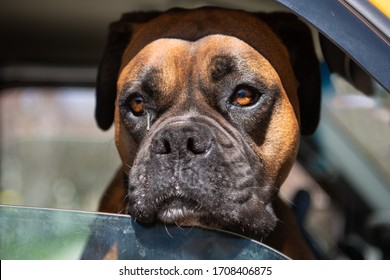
[(135, 47)]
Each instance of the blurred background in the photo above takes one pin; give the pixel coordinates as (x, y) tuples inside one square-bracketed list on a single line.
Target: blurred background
[(53, 155)]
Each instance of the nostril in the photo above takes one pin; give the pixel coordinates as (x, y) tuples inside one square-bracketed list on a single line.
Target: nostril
[(190, 144), (167, 147), (182, 140), (161, 146), (196, 146)]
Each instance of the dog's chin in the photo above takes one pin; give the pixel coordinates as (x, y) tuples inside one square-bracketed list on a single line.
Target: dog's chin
[(184, 212), (180, 213)]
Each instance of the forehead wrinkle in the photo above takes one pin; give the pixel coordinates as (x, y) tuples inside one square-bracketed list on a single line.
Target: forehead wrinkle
[(150, 80), (159, 69), (222, 65), (237, 58)]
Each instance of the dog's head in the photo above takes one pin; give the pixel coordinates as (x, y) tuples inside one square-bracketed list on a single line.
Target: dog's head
[(208, 107)]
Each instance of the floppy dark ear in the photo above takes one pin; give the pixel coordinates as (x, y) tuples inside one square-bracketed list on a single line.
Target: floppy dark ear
[(119, 36), (298, 39)]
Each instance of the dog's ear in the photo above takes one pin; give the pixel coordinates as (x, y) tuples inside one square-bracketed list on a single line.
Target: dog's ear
[(119, 36), (297, 37)]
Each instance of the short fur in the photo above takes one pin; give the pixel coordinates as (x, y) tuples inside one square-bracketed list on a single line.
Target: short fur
[(194, 158)]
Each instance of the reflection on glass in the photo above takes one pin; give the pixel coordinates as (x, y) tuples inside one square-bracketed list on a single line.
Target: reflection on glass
[(34, 233)]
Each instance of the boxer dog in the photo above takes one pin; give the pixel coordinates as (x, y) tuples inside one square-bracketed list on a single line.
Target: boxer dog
[(208, 106)]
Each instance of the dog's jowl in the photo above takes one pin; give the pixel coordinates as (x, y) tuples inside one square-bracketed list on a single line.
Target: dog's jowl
[(208, 106)]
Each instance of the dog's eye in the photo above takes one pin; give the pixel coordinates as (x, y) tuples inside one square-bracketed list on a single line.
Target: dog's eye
[(244, 96), (137, 104)]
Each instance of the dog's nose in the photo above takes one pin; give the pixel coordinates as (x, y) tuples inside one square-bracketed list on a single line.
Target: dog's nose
[(182, 139)]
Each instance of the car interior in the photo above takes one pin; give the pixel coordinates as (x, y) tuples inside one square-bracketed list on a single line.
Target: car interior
[(53, 155)]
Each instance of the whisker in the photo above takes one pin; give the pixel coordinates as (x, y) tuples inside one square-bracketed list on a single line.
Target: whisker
[(189, 231), (286, 198), (166, 229), (178, 225), (127, 165), (125, 198)]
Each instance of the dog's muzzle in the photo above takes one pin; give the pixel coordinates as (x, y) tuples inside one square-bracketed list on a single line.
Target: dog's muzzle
[(194, 171)]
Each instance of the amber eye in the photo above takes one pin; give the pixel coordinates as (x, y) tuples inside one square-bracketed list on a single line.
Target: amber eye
[(137, 104), (244, 96)]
